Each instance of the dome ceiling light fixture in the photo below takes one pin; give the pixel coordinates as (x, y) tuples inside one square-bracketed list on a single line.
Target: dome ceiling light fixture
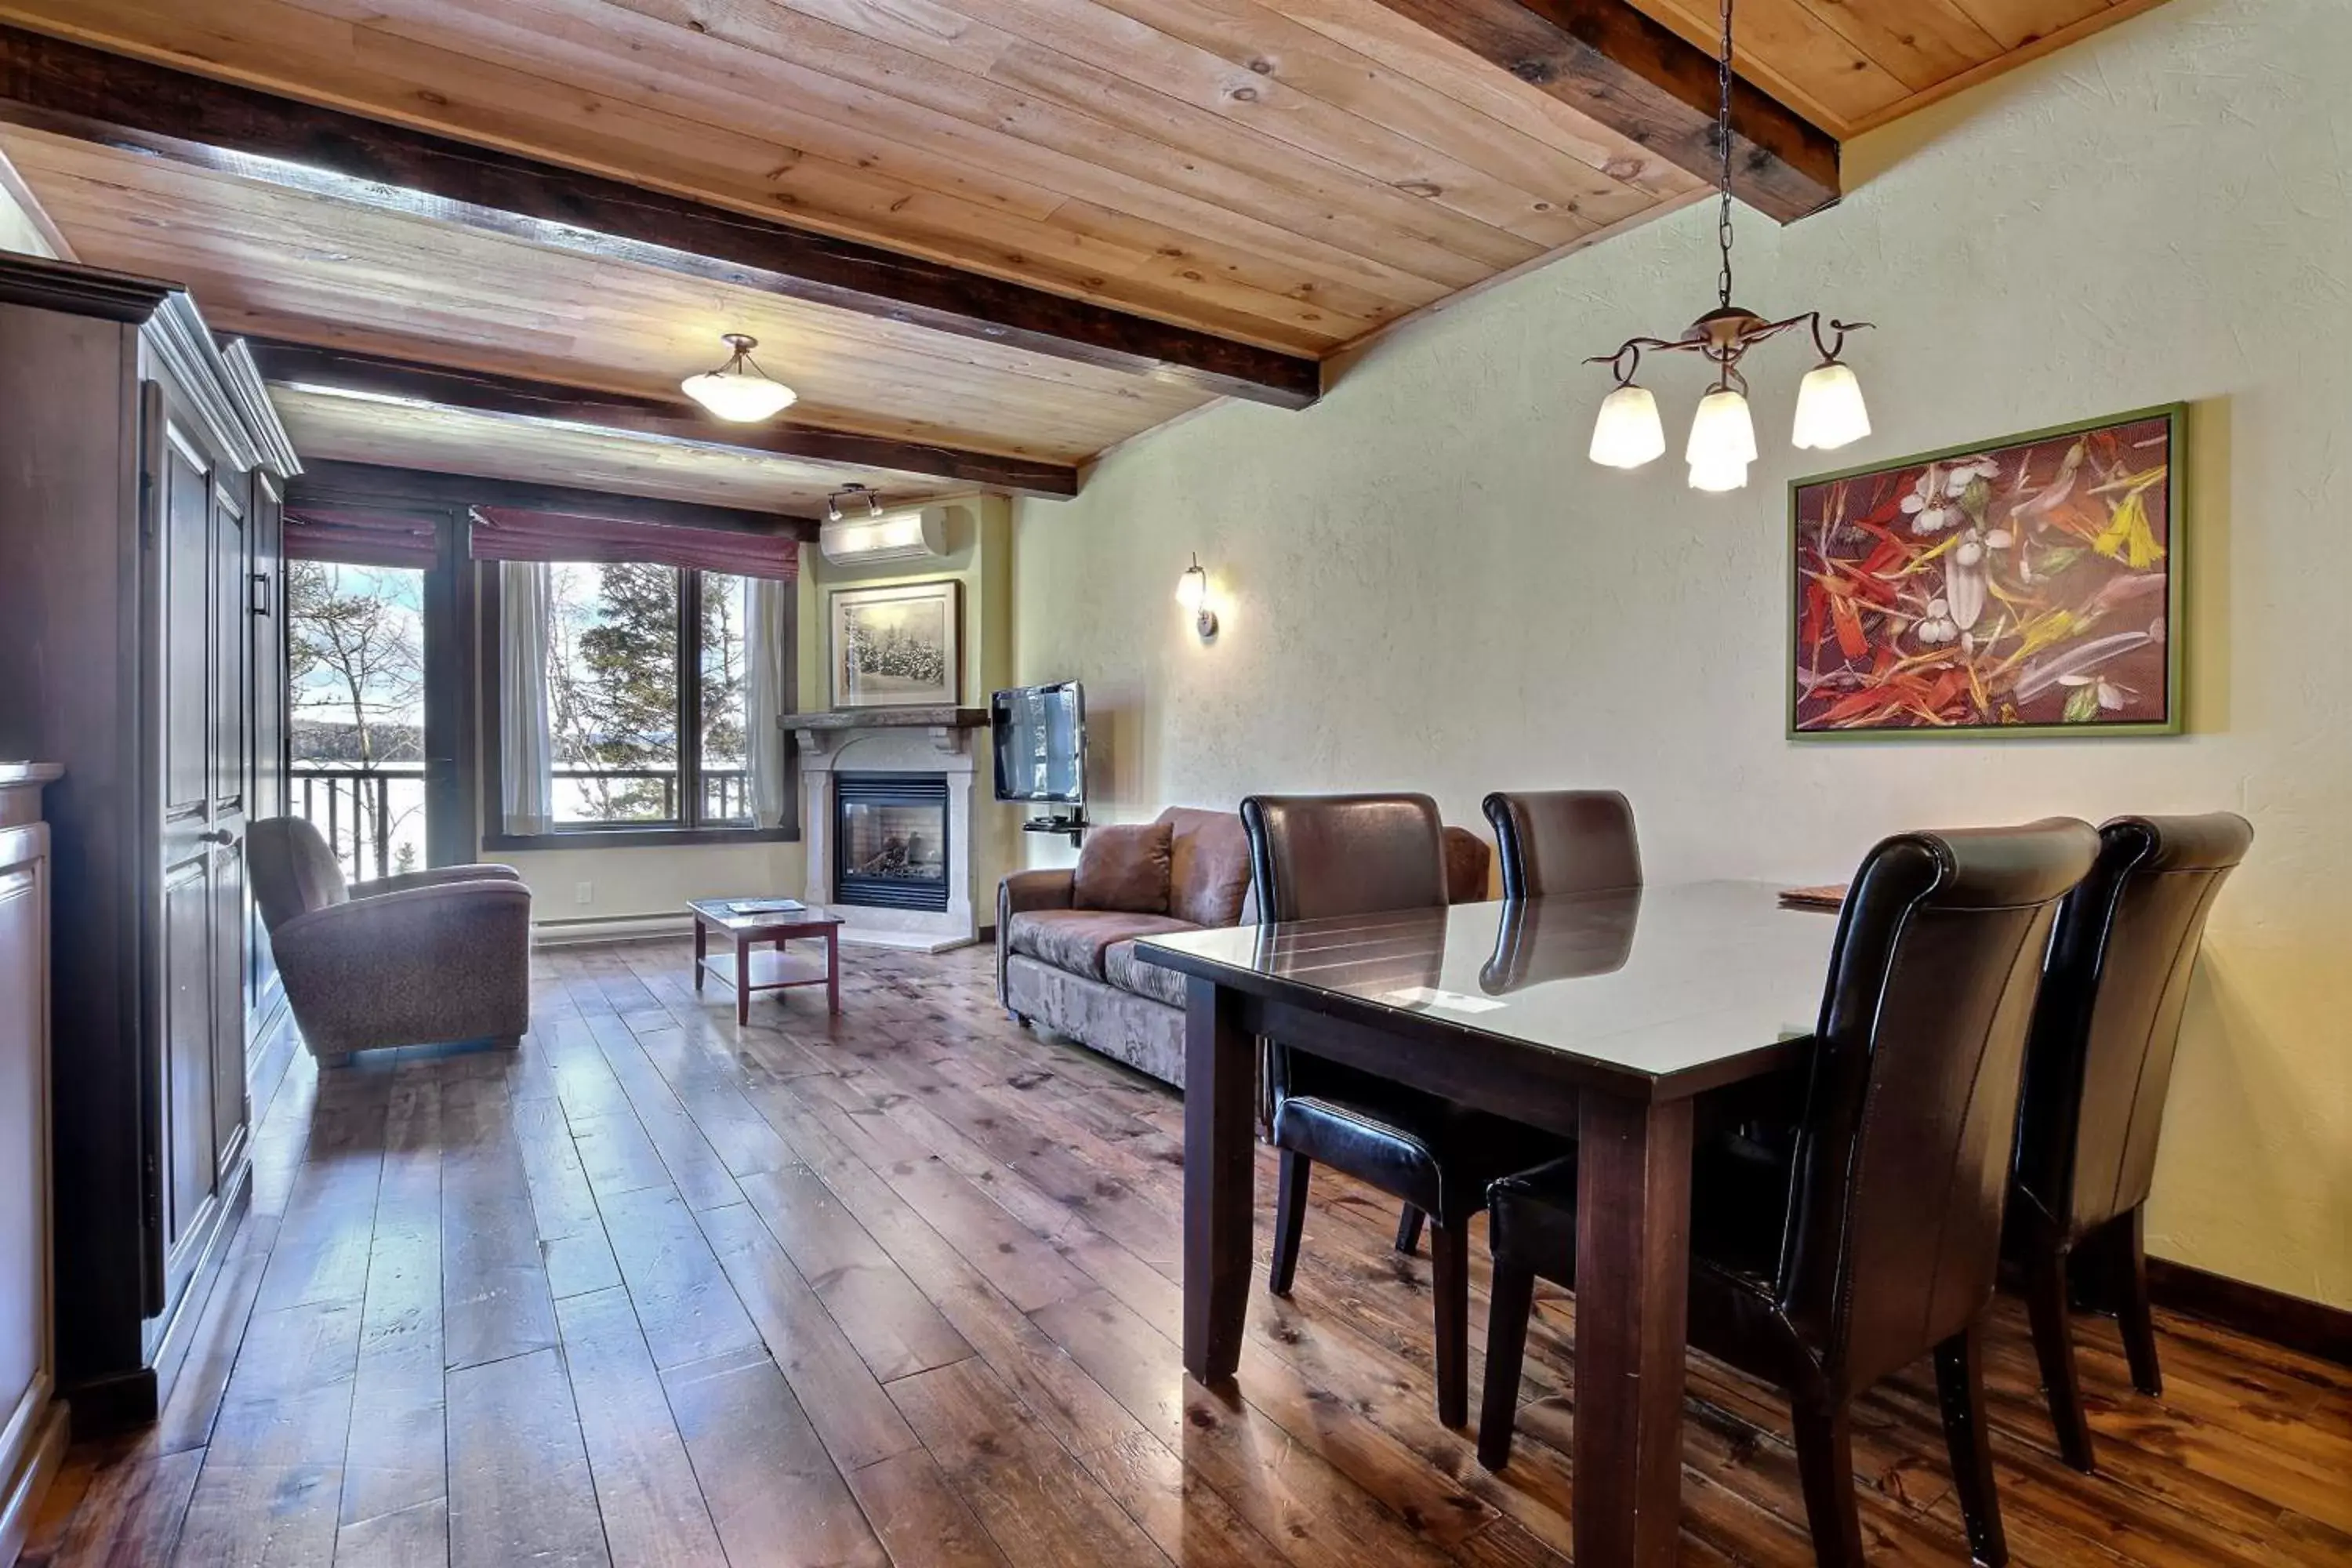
[(740, 390), (1830, 411)]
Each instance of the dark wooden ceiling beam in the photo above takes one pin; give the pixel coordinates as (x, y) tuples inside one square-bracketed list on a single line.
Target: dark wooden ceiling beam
[(1606, 59), (135, 105), (507, 396), (377, 487)]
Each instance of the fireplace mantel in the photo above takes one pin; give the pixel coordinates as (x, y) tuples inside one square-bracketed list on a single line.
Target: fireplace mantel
[(927, 741), (822, 732)]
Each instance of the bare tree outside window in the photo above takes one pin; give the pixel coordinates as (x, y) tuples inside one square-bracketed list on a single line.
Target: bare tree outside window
[(355, 668)]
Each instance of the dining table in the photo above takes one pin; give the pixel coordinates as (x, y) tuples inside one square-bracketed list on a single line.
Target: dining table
[(1603, 1016)]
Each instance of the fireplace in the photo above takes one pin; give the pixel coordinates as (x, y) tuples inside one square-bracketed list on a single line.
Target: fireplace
[(890, 847)]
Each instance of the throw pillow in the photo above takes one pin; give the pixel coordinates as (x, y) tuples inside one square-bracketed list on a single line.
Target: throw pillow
[(1124, 869)]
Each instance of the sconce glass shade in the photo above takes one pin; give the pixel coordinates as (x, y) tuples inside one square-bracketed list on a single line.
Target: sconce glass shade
[(1193, 587), (736, 391), (1628, 433), (1722, 434), (1830, 411), (1717, 477)]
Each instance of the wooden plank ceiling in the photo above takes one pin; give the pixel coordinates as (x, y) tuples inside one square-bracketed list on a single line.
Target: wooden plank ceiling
[(1290, 176)]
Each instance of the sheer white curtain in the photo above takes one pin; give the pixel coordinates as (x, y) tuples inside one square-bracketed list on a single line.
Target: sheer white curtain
[(526, 751), (767, 627)]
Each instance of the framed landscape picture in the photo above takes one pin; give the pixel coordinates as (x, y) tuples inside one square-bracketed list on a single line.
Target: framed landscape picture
[(2025, 586), (897, 646)]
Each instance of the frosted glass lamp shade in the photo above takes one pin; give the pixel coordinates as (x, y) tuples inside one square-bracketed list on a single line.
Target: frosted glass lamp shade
[(1628, 433), (737, 391), (1722, 433), (1193, 587), (1830, 411), (1717, 477)]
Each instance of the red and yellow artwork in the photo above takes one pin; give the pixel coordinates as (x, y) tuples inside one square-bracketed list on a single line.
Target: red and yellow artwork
[(2026, 587)]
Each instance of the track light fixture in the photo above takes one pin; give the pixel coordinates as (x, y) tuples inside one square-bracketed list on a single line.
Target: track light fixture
[(852, 492)]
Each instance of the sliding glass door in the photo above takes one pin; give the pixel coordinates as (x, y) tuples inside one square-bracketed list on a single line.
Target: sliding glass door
[(356, 701)]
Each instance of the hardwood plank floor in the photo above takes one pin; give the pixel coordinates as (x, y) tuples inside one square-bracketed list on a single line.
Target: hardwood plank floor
[(901, 1288)]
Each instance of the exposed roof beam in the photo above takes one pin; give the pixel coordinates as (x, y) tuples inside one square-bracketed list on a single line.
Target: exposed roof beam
[(482, 391), (377, 487), (1606, 59), (134, 105)]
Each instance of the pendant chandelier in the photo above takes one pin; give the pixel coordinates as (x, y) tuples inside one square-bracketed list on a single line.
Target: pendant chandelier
[(1830, 411), (738, 390)]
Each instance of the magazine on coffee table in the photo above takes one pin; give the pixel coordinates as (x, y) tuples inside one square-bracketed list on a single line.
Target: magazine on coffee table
[(764, 906)]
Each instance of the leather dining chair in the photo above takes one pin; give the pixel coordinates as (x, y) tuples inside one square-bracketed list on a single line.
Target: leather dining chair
[(1320, 857), (1876, 1237), (1565, 841), (2098, 1068)]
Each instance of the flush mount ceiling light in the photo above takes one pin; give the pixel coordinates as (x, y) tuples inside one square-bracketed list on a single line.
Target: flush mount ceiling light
[(738, 390), (1830, 411), (872, 497)]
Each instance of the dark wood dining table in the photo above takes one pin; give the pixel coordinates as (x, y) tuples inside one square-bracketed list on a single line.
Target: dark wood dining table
[(1598, 1016)]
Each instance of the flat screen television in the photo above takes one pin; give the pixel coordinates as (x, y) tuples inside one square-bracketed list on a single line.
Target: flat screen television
[(1040, 740)]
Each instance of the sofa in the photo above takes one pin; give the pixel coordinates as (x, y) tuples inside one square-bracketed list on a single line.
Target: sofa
[(1064, 962)]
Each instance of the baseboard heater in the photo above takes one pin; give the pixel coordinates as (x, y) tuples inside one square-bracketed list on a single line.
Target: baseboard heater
[(611, 928)]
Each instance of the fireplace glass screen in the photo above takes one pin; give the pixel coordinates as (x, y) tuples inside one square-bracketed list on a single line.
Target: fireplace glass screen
[(890, 840)]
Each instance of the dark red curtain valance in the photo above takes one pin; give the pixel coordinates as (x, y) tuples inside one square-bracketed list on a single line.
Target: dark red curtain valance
[(359, 538), (501, 534)]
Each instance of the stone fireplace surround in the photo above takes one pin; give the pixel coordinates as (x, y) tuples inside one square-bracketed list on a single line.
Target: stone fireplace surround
[(883, 741)]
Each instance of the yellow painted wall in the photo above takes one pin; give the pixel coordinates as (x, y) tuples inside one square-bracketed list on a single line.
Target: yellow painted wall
[(1425, 585)]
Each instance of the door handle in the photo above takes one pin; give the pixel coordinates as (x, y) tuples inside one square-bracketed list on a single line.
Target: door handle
[(216, 835)]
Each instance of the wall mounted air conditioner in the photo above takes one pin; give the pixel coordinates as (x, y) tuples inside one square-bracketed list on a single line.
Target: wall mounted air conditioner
[(915, 534)]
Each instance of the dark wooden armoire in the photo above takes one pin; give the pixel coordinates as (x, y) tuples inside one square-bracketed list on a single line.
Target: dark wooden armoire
[(141, 645)]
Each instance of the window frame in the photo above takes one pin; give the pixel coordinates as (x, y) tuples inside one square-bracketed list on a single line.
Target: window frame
[(637, 835)]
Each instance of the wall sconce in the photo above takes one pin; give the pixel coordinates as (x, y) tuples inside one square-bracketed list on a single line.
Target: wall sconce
[(1193, 592)]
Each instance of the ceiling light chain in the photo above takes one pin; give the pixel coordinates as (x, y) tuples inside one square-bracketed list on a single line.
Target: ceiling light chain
[(1830, 410)]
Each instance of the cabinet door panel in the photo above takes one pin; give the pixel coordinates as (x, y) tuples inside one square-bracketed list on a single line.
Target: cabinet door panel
[(24, 1122), (187, 604), (189, 1017)]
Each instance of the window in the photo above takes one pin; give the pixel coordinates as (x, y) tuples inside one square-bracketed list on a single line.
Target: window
[(355, 653), (650, 695)]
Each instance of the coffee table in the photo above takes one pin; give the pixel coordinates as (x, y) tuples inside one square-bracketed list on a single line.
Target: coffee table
[(746, 932)]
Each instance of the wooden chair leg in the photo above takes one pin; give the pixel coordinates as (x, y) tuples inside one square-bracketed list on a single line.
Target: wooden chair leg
[(1960, 1388), (1408, 1229), (1510, 1300), (1826, 1466), (2128, 1268), (1289, 1220), (1449, 1276), (2053, 1343)]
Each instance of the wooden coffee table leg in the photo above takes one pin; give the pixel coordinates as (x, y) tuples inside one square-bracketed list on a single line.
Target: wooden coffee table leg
[(701, 950), (833, 969), (1632, 1280), (742, 982)]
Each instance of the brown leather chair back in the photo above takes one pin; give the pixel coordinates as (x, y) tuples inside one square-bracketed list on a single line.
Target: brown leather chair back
[(1314, 855), (293, 870), (1903, 1158), (1565, 841), (2099, 1062)]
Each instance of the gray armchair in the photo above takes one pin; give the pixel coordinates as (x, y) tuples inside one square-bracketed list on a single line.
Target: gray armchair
[(419, 959)]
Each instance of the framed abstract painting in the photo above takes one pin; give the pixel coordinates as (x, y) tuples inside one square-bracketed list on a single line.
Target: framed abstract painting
[(2025, 586)]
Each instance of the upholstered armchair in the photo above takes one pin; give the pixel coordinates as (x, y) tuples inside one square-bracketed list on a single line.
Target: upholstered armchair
[(420, 959)]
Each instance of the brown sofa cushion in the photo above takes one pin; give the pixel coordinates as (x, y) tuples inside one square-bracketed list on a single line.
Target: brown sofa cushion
[(1467, 860), (1124, 869), (1075, 939), (1128, 969), (1208, 864)]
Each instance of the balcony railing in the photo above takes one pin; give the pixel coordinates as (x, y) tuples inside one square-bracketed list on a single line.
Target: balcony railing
[(369, 815), (366, 815)]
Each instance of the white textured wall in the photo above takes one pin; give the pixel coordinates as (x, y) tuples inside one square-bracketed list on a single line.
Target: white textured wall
[(1426, 586)]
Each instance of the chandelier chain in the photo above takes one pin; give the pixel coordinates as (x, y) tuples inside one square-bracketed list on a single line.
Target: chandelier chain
[(1723, 148)]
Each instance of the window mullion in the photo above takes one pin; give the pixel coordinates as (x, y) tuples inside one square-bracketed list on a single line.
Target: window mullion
[(690, 697)]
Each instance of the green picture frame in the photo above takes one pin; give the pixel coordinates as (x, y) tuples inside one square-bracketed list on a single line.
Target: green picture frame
[(2100, 577)]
